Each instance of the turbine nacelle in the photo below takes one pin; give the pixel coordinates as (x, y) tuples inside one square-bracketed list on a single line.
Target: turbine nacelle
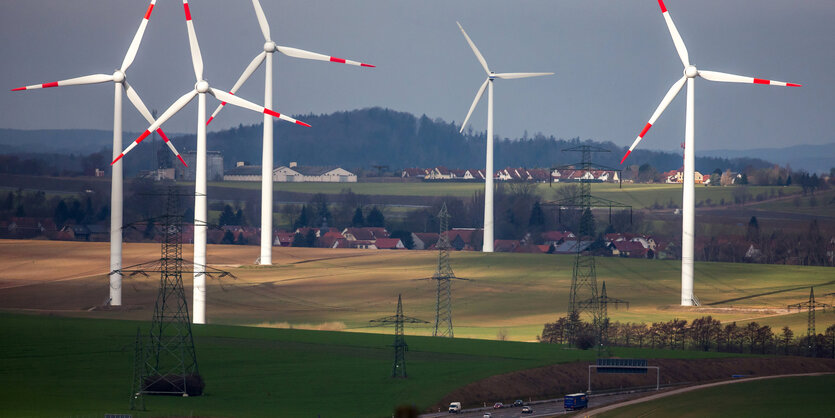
[(118, 76), (202, 86), (269, 46), (690, 71)]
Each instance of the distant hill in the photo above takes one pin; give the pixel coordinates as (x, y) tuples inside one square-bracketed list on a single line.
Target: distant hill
[(363, 138), (812, 158), (58, 141)]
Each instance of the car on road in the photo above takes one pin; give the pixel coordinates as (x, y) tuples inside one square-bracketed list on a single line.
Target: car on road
[(454, 407), (498, 405), (487, 415), (527, 410), (518, 403)]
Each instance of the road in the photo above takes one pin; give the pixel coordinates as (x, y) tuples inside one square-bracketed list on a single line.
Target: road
[(599, 403), (546, 408)]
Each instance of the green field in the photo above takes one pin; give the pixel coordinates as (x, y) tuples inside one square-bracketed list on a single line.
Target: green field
[(636, 195), (785, 397), (57, 366), (821, 203)]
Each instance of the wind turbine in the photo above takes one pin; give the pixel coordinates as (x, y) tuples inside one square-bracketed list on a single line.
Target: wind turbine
[(267, 153), (116, 186), (201, 88), (689, 189), (488, 172)]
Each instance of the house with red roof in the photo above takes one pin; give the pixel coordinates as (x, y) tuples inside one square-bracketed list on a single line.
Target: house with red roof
[(283, 238), (505, 245), (389, 244)]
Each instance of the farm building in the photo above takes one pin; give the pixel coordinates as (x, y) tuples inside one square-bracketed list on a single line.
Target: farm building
[(293, 173)]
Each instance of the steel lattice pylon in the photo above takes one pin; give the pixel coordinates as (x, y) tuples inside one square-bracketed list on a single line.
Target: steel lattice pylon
[(443, 277), (398, 368), (583, 296), (167, 363), (605, 301), (811, 333), (172, 354)]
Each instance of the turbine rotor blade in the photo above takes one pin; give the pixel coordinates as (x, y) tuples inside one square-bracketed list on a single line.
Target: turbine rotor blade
[(196, 57), (671, 94), (262, 20), (300, 53), (137, 39), (256, 62), (171, 111), (246, 104), (519, 75), (133, 96), (475, 50), (677, 41), (87, 79), (475, 102), (733, 78)]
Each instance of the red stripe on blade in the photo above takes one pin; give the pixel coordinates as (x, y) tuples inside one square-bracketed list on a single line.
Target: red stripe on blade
[(19, 88), (117, 159), (148, 13), (182, 160), (188, 13), (339, 60), (271, 113), (644, 132), (302, 123), (761, 81), (625, 155), (210, 120), (792, 85), (367, 65), (143, 136), (162, 134), (52, 84), (663, 7)]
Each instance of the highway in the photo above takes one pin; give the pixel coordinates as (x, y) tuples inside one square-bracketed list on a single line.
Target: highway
[(546, 408)]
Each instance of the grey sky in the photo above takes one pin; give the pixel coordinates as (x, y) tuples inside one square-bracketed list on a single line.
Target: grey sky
[(613, 60)]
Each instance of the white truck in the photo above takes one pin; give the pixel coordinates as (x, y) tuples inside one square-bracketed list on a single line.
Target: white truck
[(454, 407)]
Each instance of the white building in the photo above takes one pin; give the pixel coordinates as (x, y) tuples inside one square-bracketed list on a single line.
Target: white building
[(292, 174), (297, 173)]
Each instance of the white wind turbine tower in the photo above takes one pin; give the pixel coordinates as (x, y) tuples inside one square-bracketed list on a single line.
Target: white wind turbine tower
[(267, 153), (689, 189), (201, 87), (116, 186), (488, 172)]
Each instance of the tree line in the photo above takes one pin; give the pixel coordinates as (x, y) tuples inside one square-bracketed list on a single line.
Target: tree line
[(701, 334)]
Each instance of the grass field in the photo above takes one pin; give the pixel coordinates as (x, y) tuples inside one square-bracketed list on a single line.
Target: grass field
[(344, 289), (821, 203), (58, 366), (636, 195), (786, 397)]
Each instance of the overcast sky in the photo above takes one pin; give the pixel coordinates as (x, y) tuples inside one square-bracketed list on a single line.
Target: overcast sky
[(614, 61)]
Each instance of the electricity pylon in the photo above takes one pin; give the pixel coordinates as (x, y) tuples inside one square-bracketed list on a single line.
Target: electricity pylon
[(583, 295), (167, 362), (443, 277), (604, 302), (811, 305), (398, 368)]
